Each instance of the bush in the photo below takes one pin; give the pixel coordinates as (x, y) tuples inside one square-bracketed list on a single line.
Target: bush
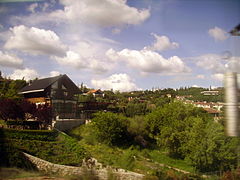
[(10, 109), (41, 135), (110, 128)]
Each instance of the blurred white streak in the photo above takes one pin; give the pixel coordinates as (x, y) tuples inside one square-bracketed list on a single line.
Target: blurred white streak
[(231, 104)]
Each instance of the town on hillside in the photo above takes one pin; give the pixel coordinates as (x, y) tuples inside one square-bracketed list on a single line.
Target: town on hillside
[(53, 126), (64, 101)]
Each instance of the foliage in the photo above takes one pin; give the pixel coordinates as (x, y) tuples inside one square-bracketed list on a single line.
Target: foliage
[(17, 110), (63, 150), (10, 109), (137, 128), (132, 109), (44, 113), (110, 128), (127, 160), (10, 156), (28, 107), (209, 149), (9, 88), (41, 135), (168, 125), (194, 94), (187, 132)]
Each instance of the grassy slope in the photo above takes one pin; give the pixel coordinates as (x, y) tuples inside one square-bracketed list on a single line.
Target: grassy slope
[(145, 161), (60, 149)]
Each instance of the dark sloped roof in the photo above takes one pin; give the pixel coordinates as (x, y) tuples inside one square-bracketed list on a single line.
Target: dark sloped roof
[(40, 84)]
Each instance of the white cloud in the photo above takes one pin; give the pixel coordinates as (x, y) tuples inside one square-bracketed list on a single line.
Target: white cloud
[(32, 7), (200, 76), (233, 64), (217, 63), (98, 67), (211, 62), (218, 34), (218, 77), (10, 60), (120, 82), (76, 60), (72, 59), (54, 73), (35, 41), (162, 43), (26, 73), (148, 61), (104, 13)]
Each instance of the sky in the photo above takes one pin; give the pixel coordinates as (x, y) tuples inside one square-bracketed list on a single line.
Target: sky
[(121, 45)]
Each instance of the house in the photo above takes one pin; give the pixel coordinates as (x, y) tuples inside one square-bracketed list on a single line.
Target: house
[(96, 93), (58, 91), (215, 113)]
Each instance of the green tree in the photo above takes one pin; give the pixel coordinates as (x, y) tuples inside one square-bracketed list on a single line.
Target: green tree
[(132, 109), (168, 125), (208, 148), (110, 128)]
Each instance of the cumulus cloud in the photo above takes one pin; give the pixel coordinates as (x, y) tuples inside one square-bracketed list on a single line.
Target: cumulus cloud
[(120, 82), (54, 73), (72, 59), (210, 62), (26, 73), (148, 61), (76, 60), (10, 60), (162, 43), (218, 34), (217, 63), (104, 13), (35, 41)]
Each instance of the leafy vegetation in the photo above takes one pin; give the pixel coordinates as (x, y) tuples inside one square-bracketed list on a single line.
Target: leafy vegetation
[(48, 145), (110, 128), (173, 134), (40, 135)]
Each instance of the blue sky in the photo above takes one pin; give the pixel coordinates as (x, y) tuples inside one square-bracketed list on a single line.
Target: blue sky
[(119, 44)]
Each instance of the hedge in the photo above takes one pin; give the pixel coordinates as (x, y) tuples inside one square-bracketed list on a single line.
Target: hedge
[(41, 135), (24, 124)]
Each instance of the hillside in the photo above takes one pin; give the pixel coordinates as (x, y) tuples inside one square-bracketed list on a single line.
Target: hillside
[(49, 145)]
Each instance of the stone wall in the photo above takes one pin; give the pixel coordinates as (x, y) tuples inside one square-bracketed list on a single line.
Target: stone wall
[(67, 124), (90, 166)]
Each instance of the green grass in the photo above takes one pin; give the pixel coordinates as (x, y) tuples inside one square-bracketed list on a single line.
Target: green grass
[(151, 162), (162, 157), (62, 149)]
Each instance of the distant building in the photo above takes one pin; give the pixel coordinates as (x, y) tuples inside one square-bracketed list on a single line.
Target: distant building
[(96, 93), (59, 91), (210, 93), (215, 113)]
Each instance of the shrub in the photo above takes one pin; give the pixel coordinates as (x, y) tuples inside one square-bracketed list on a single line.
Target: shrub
[(41, 135), (110, 128), (9, 109)]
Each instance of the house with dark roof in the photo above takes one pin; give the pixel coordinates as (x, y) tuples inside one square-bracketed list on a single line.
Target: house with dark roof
[(58, 91)]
